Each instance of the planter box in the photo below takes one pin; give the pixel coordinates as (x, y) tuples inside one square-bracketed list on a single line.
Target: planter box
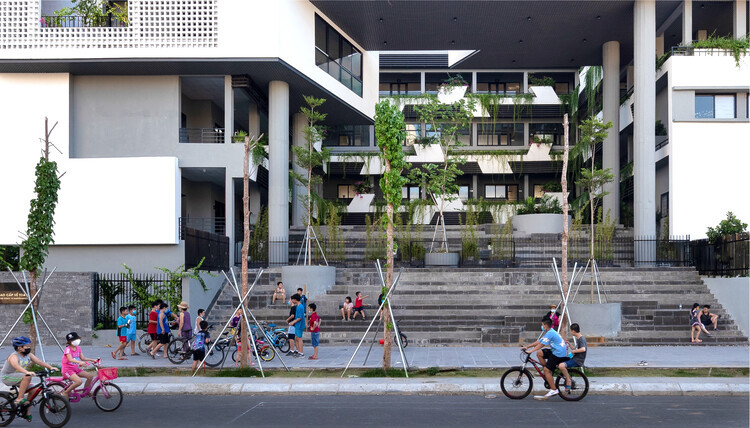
[(539, 223), (361, 203), (597, 319), (441, 259), (318, 279), (450, 95)]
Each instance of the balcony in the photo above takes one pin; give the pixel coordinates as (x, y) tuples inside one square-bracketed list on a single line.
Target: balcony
[(202, 135)]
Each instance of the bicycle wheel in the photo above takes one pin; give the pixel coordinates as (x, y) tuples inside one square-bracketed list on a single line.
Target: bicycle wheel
[(176, 351), (404, 340), (283, 344), (516, 383), (7, 409), (108, 397), (579, 385), (267, 353), (54, 410), (143, 342), (215, 357), (57, 387)]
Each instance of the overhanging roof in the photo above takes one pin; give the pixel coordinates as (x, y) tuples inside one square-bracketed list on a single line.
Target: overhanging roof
[(261, 71), (508, 34)]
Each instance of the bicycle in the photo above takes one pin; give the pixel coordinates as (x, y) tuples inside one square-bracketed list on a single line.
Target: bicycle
[(404, 339), (54, 409), (277, 337), (145, 340), (106, 395), (518, 382)]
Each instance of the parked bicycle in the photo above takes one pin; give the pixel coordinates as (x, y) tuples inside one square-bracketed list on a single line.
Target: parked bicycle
[(404, 339), (54, 409), (518, 382), (276, 337), (106, 395)]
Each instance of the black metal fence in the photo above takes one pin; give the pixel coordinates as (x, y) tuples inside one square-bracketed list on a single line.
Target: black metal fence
[(202, 135), (207, 224), (728, 256), (674, 251), (212, 248), (81, 21), (114, 290)]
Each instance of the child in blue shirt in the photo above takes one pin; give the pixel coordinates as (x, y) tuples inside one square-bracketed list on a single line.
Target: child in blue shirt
[(132, 331), (551, 358), (122, 334)]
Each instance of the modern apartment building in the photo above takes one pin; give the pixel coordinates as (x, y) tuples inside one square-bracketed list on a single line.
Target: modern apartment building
[(146, 109)]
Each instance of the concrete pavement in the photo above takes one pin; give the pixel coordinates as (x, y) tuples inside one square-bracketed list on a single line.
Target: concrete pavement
[(336, 357)]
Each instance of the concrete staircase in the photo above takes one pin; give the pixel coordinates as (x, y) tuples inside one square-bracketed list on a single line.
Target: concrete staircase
[(502, 307)]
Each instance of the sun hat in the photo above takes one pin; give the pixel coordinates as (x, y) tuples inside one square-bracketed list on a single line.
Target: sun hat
[(183, 305)]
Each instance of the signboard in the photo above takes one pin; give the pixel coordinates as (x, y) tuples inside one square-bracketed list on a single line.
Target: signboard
[(10, 293)]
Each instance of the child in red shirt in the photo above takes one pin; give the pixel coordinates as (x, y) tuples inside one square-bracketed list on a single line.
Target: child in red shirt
[(314, 330), (358, 305)]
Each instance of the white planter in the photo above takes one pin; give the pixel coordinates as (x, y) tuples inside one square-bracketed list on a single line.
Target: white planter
[(318, 279), (361, 203), (451, 94), (441, 259), (597, 319), (526, 224)]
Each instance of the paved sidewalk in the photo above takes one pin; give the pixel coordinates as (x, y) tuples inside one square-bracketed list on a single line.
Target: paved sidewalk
[(437, 385), (694, 356)]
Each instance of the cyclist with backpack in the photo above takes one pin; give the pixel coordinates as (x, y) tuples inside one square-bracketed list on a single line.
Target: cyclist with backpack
[(201, 339)]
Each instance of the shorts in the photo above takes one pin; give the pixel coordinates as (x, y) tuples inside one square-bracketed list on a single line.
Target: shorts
[(163, 338), (553, 361), (571, 363), (13, 379), (71, 371), (298, 331), (132, 337), (199, 354), (359, 309), (153, 336), (123, 339), (315, 338), (290, 336)]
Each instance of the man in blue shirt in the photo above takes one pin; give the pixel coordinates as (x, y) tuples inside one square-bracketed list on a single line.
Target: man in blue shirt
[(551, 358), (298, 323)]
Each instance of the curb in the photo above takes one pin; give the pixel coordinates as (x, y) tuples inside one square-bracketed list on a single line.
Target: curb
[(348, 388)]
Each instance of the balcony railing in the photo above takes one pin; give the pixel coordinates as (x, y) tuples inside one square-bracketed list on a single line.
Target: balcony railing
[(81, 22), (202, 135), (215, 225)]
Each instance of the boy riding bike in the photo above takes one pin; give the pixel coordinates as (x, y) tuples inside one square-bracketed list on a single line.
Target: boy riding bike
[(14, 371), (551, 358)]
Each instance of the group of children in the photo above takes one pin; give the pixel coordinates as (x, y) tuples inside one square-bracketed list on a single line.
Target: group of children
[(699, 318), (297, 324), (350, 310)]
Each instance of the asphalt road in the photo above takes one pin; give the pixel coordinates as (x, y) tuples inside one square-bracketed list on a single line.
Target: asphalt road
[(412, 411)]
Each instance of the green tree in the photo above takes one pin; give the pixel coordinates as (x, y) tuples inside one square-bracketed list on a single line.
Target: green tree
[(390, 133), (308, 158), (439, 179), (40, 223), (9, 257), (729, 226)]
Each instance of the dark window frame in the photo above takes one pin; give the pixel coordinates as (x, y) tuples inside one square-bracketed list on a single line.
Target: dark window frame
[(507, 191), (349, 191), (348, 77), (713, 105)]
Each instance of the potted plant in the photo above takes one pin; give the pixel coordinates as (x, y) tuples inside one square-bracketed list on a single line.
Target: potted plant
[(543, 217), (452, 89), (535, 139), (362, 188)]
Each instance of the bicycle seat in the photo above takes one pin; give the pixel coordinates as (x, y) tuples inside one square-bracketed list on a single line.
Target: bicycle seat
[(272, 325)]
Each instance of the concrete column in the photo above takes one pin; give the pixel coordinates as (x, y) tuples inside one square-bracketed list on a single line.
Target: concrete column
[(228, 110), (421, 82), (278, 173), (740, 19), (299, 212), (253, 119), (643, 126), (474, 187), (229, 215), (687, 22), (525, 84), (473, 82), (527, 191), (611, 113)]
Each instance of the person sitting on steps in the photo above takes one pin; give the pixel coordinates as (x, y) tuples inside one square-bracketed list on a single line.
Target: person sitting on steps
[(707, 318), (279, 293), (346, 310)]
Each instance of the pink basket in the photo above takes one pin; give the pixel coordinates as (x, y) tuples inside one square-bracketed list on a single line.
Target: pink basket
[(108, 373)]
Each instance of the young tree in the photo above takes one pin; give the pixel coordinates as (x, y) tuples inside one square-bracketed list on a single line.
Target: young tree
[(439, 179), (309, 158), (564, 185), (390, 132), (40, 223), (593, 132), (253, 149)]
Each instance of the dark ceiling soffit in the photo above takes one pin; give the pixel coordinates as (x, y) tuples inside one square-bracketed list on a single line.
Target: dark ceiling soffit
[(413, 61), (153, 66)]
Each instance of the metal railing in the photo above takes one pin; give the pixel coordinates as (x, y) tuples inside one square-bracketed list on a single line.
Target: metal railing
[(202, 135), (114, 290), (215, 225), (660, 252), (728, 256), (81, 21), (661, 142), (209, 248)]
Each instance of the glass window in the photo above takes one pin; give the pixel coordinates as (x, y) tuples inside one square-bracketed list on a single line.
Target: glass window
[(346, 191), (512, 88), (413, 133), (547, 131), (410, 193), (337, 56), (665, 205), (463, 193), (562, 88), (704, 106), (431, 88), (538, 191), (495, 191), (347, 135), (500, 134), (724, 106), (483, 88), (320, 33), (512, 192)]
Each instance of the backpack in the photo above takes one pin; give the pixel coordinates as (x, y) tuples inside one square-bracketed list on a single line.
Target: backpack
[(200, 341)]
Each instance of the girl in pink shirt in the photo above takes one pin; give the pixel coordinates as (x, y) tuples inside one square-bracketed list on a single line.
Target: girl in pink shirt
[(72, 361)]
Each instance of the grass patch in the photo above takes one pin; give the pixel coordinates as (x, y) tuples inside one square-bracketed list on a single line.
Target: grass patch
[(241, 372), (383, 373)]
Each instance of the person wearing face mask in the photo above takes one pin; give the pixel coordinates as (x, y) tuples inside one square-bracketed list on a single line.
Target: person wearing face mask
[(72, 361), (15, 370)]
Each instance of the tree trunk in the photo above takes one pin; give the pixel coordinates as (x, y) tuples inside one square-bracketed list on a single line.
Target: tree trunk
[(388, 281), (564, 182), (32, 327), (592, 208), (245, 244)]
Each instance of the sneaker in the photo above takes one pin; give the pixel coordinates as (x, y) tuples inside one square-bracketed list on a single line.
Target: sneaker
[(299, 355), (550, 393), (290, 353)]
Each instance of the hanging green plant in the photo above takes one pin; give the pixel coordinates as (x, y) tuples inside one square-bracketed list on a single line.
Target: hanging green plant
[(738, 47)]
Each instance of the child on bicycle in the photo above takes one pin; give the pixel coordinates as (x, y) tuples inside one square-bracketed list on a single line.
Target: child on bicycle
[(15, 370), (72, 361), (578, 351), (202, 338)]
